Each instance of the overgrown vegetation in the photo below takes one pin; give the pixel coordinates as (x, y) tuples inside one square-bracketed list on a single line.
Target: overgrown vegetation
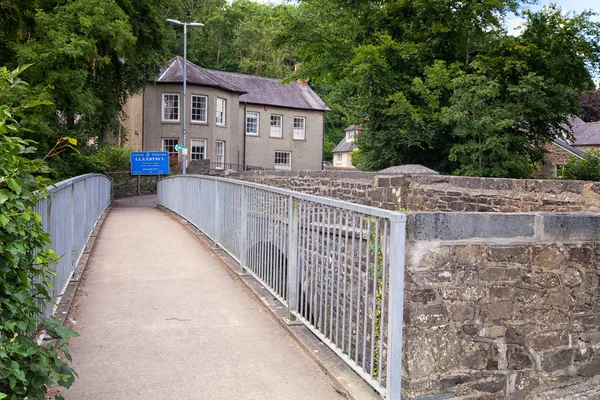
[(26, 368), (584, 169)]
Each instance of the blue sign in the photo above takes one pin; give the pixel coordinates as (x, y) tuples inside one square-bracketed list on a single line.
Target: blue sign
[(149, 163)]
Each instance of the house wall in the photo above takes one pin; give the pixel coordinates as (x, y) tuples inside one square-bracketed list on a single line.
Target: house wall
[(555, 156), (132, 122), (346, 161), (260, 150), (155, 129)]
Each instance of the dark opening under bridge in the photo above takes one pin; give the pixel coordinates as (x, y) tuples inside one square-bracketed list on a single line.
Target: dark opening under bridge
[(160, 317)]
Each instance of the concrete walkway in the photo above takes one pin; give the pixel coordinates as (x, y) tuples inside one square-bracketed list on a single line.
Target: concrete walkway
[(161, 318)]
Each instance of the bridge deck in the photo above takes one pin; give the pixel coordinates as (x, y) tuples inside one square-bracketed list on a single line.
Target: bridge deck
[(160, 318)]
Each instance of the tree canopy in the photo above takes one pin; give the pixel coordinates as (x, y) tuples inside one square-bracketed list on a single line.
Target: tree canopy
[(440, 83)]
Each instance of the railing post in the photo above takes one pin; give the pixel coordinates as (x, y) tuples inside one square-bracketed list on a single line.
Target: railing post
[(217, 219), (244, 231), (397, 247), (292, 258)]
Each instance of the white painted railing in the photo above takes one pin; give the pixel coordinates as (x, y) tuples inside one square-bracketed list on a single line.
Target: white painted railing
[(69, 215), (337, 266)]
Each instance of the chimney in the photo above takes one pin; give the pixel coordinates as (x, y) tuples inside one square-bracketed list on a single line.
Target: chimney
[(300, 81)]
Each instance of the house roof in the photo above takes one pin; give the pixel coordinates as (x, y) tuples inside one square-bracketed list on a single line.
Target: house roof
[(173, 73), (586, 134), (409, 169), (252, 89), (354, 128), (344, 147), (565, 146)]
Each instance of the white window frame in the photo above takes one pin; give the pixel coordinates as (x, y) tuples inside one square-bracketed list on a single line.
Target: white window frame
[(198, 121), (248, 123), (338, 158), (221, 112), (162, 109), (281, 166), (198, 143), (300, 132), (273, 129), (164, 146), (219, 157)]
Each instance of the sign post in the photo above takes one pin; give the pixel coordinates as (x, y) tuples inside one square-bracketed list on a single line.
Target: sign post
[(149, 163)]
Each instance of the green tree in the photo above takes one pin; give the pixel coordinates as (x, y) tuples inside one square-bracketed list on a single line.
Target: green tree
[(26, 368), (584, 169), (409, 69)]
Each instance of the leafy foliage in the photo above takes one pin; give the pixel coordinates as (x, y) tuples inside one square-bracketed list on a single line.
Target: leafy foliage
[(584, 169), (26, 369), (114, 158), (590, 105), (442, 83)]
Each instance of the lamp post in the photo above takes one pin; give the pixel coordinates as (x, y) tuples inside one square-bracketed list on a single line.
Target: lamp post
[(185, 25)]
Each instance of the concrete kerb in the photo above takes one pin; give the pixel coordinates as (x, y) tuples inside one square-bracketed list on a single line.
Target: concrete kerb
[(66, 300), (344, 379)]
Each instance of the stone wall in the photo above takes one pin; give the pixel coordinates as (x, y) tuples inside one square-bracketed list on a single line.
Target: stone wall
[(498, 305), (438, 192), (124, 184)]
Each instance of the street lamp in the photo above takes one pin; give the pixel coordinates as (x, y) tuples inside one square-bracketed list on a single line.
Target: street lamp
[(185, 25)]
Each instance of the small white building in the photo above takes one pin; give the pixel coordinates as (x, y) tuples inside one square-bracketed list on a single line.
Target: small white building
[(342, 154)]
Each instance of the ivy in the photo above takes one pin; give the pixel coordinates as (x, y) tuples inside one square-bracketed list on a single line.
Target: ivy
[(26, 368)]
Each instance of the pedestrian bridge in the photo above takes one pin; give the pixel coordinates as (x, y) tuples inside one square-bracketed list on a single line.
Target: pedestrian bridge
[(160, 316)]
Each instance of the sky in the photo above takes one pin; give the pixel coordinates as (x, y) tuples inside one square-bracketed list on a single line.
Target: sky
[(566, 5)]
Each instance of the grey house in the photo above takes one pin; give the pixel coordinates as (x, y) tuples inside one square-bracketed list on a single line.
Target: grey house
[(232, 119)]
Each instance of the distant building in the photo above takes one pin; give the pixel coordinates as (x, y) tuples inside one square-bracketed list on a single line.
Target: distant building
[(342, 153), (231, 119), (558, 153)]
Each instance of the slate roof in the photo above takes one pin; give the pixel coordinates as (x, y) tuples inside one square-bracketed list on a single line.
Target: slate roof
[(409, 169), (565, 146), (252, 89), (354, 128), (587, 134), (345, 147)]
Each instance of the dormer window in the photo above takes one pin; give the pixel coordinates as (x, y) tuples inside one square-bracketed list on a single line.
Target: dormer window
[(350, 136)]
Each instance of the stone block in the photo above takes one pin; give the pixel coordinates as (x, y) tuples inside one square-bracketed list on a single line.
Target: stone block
[(581, 255), (493, 332), (492, 385), (478, 355), (423, 296), (540, 341), (427, 316), (549, 257), (559, 299), (462, 312), (501, 292), (470, 329), (457, 226), (571, 227), (550, 317), (500, 310), (467, 293), (510, 254), (557, 359), (518, 358), (500, 274), (528, 296)]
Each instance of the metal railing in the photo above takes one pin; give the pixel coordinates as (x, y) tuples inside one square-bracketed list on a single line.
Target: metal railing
[(69, 215), (337, 266)]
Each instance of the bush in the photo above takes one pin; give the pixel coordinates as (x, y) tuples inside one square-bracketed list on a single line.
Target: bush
[(26, 368), (114, 158), (584, 169)]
